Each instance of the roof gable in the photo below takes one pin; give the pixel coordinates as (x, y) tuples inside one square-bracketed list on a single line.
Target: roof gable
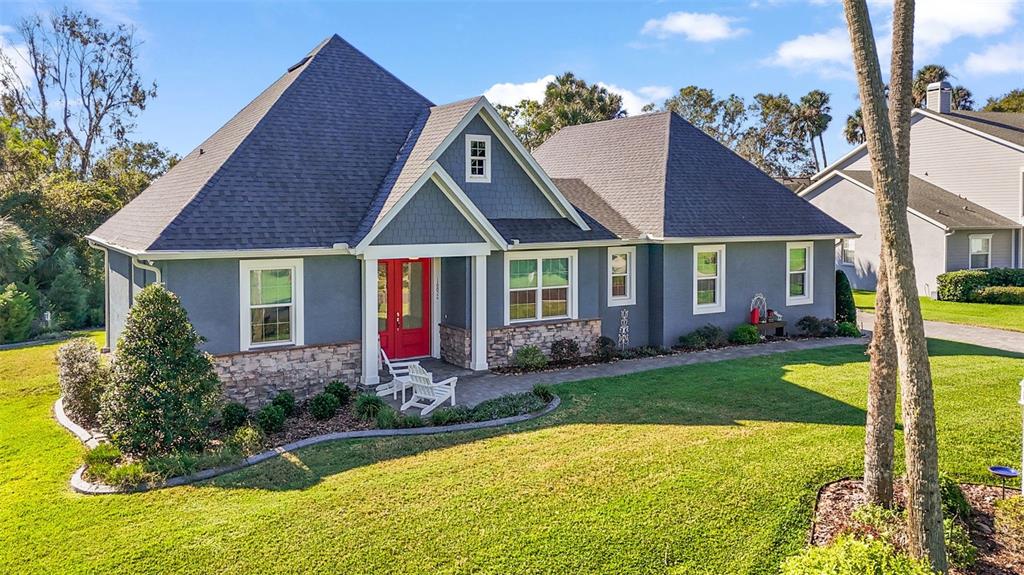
[(429, 217)]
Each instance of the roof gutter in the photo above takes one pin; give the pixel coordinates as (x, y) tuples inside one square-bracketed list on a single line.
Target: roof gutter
[(148, 267), (157, 255)]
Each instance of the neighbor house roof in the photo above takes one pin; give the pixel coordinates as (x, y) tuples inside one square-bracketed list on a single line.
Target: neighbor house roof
[(668, 179), (1008, 126), (952, 211), (298, 167)]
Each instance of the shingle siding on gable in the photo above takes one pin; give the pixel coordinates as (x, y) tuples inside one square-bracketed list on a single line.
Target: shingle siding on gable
[(428, 218), (511, 193)]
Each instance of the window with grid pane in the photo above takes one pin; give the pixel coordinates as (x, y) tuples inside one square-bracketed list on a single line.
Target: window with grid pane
[(621, 280), (271, 305), (478, 158), (981, 251), (708, 272), (799, 273), (539, 288), (848, 250)]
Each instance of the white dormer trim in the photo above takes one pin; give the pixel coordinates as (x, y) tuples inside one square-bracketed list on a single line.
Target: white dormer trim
[(485, 178), (485, 110), (454, 193)]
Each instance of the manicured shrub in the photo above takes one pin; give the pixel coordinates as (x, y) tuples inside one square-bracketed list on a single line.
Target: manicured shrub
[(507, 406), (1010, 522), (846, 309), (850, 556), (544, 392), (82, 378), (247, 440), (163, 390), (286, 401), (68, 299), (706, 337), (410, 420), (745, 334), (450, 415), (810, 325), (960, 552), (233, 415), (387, 418), (847, 329), (954, 503), (961, 285), (529, 357), (827, 327), (1006, 295), (565, 350), (16, 314), (270, 419), (341, 391), (368, 406), (604, 348), (324, 406)]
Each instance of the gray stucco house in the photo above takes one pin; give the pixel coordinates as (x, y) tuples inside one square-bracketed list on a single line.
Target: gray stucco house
[(341, 211), (966, 200)]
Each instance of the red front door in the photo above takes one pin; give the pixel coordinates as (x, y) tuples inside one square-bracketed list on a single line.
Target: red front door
[(403, 307)]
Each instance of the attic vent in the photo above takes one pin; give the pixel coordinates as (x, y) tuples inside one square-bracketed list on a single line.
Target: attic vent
[(298, 64)]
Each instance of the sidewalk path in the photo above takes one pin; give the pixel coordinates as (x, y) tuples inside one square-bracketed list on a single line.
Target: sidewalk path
[(982, 336)]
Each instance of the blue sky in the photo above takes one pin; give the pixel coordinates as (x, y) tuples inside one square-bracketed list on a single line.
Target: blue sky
[(209, 59)]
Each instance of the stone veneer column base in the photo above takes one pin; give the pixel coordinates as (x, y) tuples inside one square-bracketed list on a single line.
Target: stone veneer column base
[(456, 345), (255, 377), (503, 342)]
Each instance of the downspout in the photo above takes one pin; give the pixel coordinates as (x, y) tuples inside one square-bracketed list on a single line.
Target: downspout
[(136, 262), (106, 295)]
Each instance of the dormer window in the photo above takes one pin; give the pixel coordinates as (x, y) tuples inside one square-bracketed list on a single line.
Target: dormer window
[(478, 158)]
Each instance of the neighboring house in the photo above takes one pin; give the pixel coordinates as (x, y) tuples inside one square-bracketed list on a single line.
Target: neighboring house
[(340, 209), (966, 198)]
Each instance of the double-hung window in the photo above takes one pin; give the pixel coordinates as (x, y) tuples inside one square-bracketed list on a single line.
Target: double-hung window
[(981, 251), (540, 285), (848, 251), (271, 302), (478, 158), (799, 273), (708, 279), (621, 276)]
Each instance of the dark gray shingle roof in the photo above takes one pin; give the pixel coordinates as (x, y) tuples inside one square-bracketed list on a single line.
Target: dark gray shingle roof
[(669, 179), (298, 167), (1007, 126), (953, 211)]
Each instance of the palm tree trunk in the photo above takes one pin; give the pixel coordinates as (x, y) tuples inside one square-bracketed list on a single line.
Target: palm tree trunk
[(924, 509), (821, 140), (881, 421), (817, 166)]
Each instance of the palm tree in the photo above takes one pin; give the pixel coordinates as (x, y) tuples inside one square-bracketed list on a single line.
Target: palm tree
[(812, 119), (854, 130), (963, 99), (17, 253)]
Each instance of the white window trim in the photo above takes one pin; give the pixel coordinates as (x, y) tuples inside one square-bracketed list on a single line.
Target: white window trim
[(719, 305), (488, 152), (245, 330), (807, 298), (630, 297), (573, 283), (842, 251), (970, 251)]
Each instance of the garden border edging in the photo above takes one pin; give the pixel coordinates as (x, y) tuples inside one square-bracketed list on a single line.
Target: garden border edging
[(81, 485)]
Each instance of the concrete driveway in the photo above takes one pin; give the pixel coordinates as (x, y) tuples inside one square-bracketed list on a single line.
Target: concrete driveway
[(981, 336)]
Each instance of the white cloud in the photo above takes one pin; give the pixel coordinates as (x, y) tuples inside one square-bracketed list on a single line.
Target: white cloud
[(826, 53), (1004, 58), (697, 27), (511, 94), (939, 22), (18, 54), (634, 101)]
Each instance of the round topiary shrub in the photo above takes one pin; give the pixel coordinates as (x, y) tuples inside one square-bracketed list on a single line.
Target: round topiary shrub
[(368, 406), (324, 406), (529, 357), (810, 325), (340, 390), (847, 329), (163, 390), (604, 348), (270, 419), (565, 350), (82, 378), (745, 334), (846, 308), (233, 415), (286, 401)]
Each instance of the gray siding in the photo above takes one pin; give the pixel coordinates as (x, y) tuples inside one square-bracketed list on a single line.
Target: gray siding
[(958, 249), (456, 292), (208, 290), (751, 267), (119, 294), (855, 207), (639, 314), (428, 218), (511, 192)]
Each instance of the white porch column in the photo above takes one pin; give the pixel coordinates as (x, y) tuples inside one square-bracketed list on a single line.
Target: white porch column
[(479, 319), (371, 345)]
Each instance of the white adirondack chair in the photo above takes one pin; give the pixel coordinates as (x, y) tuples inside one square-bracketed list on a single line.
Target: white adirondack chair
[(426, 393), (400, 380)]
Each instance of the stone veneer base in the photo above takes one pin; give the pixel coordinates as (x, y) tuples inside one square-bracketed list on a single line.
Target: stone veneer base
[(81, 485), (503, 342), (254, 377)]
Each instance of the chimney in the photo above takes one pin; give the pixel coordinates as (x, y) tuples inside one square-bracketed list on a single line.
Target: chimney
[(940, 97)]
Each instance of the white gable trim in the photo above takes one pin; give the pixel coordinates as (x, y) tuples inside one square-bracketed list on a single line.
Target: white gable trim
[(454, 194), (518, 151), (871, 191)]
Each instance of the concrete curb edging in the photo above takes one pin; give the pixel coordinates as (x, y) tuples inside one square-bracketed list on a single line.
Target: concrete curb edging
[(84, 435), (81, 485)]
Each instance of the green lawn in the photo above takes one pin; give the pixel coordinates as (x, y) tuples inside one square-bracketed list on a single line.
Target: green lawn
[(1010, 317), (700, 469)]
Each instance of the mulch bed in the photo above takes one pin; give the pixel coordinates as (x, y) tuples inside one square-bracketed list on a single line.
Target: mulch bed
[(302, 425), (836, 502)]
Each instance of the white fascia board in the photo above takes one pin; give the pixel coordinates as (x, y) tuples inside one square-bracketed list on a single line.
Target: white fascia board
[(155, 255)]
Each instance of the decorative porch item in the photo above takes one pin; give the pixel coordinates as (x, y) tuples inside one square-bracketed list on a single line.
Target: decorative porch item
[(758, 309), (624, 329), (400, 380), (427, 394)]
